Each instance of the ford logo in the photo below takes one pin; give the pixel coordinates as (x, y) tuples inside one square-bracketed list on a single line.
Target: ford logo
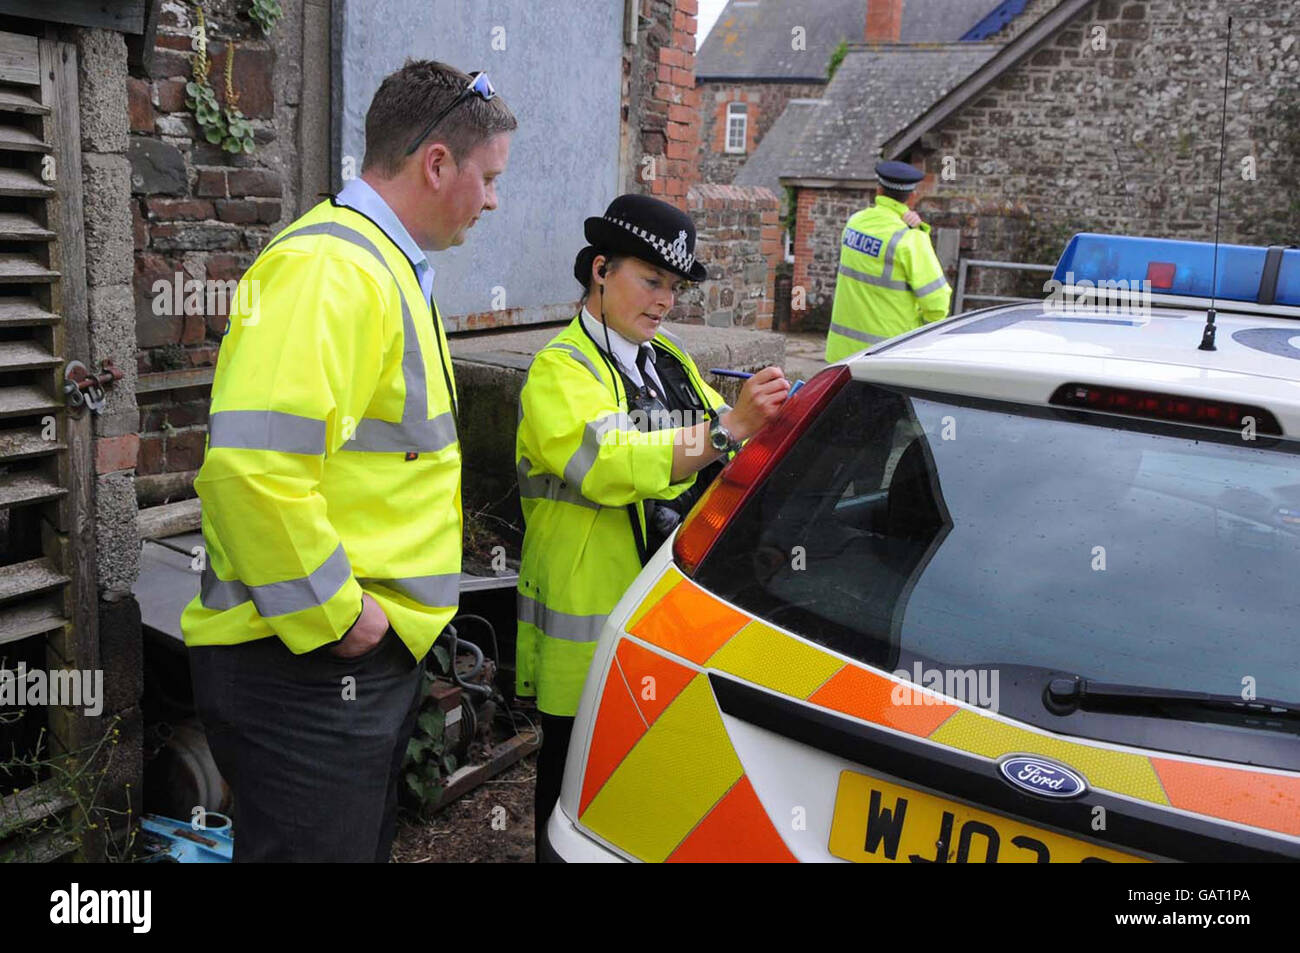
[(1042, 777)]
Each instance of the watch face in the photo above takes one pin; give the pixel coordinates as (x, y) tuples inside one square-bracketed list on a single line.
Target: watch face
[(718, 438)]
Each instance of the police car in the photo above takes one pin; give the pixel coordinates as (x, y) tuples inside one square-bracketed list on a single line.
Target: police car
[(1017, 586)]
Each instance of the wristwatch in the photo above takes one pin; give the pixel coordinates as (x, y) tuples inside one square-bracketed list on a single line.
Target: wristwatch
[(720, 438)]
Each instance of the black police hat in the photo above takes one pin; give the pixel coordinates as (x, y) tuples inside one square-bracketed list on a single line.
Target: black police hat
[(644, 228), (898, 176)]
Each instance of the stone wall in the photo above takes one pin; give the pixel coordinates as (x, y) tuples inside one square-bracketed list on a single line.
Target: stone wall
[(201, 214), (766, 102), (661, 121), (106, 197), (738, 237), (1113, 125), (106, 190)]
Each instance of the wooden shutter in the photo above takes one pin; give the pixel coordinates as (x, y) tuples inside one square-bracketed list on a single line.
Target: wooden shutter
[(47, 564)]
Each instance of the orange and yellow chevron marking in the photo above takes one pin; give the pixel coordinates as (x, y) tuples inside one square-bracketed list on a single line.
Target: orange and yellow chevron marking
[(690, 622), (1270, 801), (686, 621), (663, 585), (736, 831), (866, 695), (765, 656), (670, 779), (1122, 772), (638, 687)]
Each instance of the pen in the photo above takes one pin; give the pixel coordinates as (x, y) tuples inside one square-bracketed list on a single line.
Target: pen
[(745, 375)]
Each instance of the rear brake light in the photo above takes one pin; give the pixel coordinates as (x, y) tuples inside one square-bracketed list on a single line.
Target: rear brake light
[(747, 470), (1191, 410)]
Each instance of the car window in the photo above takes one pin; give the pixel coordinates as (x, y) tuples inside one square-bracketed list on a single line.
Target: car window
[(903, 526)]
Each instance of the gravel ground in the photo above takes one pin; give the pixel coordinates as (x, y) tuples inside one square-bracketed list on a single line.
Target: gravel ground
[(491, 824)]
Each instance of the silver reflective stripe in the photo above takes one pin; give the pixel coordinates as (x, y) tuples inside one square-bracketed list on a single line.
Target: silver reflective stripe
[(930, 287), (278, 598), (854, 333), (584, 458), (873, 279), (894, 239), (577, 355), (681, 345), (384, 436), (547, 486), (442, 589), (266, 430), (415, 432), (560, 625)]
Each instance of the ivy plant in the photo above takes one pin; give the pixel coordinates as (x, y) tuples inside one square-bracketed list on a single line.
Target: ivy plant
[(428, 762)]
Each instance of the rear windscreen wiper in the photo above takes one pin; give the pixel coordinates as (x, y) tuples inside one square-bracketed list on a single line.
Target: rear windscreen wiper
[(1063, 696)]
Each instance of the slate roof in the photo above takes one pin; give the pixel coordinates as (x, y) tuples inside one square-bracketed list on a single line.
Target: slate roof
[(752, 38), (877, 91)]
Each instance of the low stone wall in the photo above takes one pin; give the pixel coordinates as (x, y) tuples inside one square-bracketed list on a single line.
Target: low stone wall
[(738, 237)]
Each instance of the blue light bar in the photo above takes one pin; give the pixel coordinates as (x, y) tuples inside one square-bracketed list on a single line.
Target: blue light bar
[(1177, 267)]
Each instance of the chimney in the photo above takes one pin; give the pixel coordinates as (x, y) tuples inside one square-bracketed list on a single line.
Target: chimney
[(884, 21)]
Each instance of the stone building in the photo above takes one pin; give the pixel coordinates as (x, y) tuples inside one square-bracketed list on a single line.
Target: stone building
[(1085, 115), (824, 150), (762, 54), (1106, 116), (758, 57)]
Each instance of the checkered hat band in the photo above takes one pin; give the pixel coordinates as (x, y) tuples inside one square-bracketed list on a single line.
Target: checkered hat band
[(896, 186), (674, 252)]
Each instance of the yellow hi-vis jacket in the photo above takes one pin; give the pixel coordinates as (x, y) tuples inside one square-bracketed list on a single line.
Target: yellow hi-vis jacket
[(580, 463), (332, 464), (890, 280)]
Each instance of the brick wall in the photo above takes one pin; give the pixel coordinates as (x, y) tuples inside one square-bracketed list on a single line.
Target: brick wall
[(766, 102), (1126, 139), (661, 103), (200, 214), (738, 237)]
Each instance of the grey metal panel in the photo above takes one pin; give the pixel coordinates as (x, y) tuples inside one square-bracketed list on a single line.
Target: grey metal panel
[(561, 73)]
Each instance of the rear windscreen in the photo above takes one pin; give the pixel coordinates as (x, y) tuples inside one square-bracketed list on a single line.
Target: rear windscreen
[(903, 527)]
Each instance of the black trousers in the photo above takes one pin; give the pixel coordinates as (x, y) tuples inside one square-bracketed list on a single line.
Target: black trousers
[(311, 745), (556, 730)]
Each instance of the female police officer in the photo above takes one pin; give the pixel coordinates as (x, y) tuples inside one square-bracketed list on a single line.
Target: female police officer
[(615, 424)]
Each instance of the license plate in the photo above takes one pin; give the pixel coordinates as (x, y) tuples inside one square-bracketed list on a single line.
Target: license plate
[(876, 822)]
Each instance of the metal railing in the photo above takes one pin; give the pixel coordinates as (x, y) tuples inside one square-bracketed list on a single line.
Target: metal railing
[(965, 264)]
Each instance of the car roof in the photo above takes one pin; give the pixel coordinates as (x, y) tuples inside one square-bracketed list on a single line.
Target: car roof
[(1024, 352)]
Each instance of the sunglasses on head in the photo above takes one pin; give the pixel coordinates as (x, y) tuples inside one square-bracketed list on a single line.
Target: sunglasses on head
[(479, 85)]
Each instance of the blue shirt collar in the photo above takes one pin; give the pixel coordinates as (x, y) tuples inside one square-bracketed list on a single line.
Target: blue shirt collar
[(360, 196)]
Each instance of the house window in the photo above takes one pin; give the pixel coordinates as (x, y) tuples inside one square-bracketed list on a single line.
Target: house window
[(737, 126)]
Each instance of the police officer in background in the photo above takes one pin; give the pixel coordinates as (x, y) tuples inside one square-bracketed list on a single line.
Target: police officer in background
[(890, 280), (616, 426), (331, 483)]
